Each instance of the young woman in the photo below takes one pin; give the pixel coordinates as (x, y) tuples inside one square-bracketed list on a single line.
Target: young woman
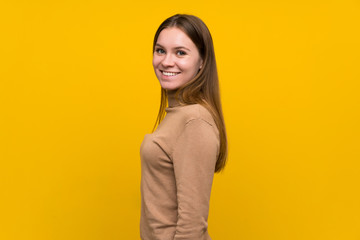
[(179, 159)]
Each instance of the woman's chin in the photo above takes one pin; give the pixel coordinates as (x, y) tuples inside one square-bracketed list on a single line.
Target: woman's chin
[(169, 87)]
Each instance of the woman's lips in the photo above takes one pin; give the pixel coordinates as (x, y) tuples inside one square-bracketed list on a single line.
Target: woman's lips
[(168, 73)]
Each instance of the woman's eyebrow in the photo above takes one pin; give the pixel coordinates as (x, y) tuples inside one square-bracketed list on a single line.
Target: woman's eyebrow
[(179, 47)]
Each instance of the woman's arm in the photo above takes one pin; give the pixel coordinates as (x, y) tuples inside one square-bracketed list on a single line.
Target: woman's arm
[(194, 160)]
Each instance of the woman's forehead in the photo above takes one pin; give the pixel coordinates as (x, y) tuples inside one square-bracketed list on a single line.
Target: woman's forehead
[(174, 37)]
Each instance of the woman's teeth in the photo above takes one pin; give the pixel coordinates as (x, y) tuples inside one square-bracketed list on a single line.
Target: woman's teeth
[(169, 73)]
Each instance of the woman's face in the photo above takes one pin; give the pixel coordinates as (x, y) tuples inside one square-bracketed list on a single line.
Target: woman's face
[(176, 59)]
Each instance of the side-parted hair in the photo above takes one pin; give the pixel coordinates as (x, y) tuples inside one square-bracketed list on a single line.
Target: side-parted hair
[(204, 88)]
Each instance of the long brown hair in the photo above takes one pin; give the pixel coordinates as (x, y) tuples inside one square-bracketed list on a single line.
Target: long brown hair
[(204, 88)]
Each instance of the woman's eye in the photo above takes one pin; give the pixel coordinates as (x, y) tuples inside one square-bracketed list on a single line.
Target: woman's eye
[(181, 53), (159, 50)]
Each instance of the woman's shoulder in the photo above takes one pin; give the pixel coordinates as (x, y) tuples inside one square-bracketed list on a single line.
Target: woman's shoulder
[(181, 119), (188, 113)]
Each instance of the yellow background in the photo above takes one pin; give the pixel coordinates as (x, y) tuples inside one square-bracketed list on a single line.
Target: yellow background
[(78, 93)]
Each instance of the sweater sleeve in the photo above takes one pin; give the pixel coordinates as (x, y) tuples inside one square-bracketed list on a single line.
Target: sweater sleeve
[(194, 160)]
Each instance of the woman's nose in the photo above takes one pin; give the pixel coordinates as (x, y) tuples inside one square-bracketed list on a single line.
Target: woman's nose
[(168, 60)]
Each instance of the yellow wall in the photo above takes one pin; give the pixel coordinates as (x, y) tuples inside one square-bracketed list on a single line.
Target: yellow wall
[(78, 93)]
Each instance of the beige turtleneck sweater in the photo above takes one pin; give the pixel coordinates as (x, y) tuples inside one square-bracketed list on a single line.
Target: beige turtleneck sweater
[(177, 169)]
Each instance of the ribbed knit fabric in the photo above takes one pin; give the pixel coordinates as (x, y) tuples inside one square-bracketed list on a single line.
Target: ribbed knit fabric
[(177, 169)]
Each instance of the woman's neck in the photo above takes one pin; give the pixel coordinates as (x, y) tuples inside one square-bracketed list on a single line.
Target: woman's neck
[(172, 102)]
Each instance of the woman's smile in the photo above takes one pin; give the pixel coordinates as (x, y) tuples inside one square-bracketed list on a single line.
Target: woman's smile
[(168, 73)]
